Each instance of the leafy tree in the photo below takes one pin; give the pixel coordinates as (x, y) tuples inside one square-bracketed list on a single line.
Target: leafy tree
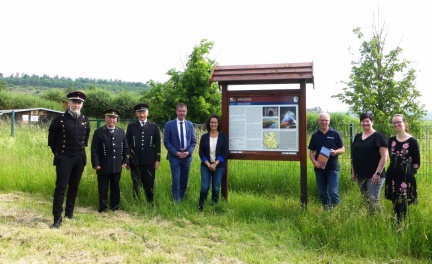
[(70, 89), (338, 121), (97, 102), (125, 102), (92, 87), (6, 100), (55, 95), (46, 82), (9, 100), (3, 86), (192, 87), (382, 84), (160, 101)]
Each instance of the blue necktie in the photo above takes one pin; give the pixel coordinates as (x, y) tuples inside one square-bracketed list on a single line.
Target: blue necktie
[(181, 136)]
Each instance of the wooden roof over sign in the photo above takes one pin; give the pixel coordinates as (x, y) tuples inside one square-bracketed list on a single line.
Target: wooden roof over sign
[(264, 73)]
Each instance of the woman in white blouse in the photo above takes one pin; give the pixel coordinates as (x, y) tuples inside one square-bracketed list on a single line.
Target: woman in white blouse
[(213, 151)]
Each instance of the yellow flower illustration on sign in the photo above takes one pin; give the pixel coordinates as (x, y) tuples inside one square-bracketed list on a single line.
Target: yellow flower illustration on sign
[(270, 140)]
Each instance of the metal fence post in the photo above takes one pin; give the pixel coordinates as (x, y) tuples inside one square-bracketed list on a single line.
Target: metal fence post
[(13, 124), (351, 136)]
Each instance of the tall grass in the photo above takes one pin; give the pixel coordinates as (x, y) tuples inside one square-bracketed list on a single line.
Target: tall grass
[(263, 221)]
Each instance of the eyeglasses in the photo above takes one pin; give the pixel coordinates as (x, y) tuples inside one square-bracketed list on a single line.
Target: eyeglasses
[(214, 123), (397, 123)]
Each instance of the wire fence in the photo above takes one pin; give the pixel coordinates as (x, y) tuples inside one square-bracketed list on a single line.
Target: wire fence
[(424, 139), (281, 167), (284, 177)]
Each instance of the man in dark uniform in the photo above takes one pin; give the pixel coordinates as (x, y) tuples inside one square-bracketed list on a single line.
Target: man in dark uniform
[(144, 141), (68, 136), (109, 154)]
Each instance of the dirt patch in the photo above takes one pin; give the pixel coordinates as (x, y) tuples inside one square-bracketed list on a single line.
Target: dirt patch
[(9, 197)]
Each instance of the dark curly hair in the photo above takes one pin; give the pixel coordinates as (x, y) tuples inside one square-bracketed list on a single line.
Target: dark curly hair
[(207, 123)]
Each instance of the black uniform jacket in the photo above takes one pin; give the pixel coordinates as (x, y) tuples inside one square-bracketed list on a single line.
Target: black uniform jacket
[(109, 150), (68, 135), (144, 143)]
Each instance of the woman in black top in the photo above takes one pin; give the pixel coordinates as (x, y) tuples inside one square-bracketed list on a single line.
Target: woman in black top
[(369, 155), (404, 151)]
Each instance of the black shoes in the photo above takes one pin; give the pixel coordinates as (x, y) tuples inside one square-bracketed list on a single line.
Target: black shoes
[(103, 206), (69, 216), (57, 223), (115, 207)]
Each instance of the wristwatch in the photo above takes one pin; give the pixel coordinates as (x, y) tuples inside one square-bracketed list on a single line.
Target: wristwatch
[(378, 173)]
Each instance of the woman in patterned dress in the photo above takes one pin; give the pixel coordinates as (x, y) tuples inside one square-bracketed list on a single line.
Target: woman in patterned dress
[(404, 151)]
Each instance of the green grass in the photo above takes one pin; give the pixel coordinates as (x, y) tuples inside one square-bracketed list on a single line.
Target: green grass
[(262, 222)]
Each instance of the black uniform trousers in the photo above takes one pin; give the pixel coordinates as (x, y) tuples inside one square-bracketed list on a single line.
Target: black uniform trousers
[(69, 170), (111, 180), (143, 175)]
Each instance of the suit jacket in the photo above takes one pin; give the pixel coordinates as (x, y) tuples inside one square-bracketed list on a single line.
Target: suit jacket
[(221, 149), (144, 143), (109, 151), (172, 138)]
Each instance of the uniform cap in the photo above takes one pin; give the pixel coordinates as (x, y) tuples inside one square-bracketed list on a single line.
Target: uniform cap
[(77, 95), (141, 107), (112, 112)]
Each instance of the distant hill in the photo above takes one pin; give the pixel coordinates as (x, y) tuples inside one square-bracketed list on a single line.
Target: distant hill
[(35, 84)]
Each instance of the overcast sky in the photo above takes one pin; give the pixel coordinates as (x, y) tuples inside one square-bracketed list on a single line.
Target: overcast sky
[(138, 40)]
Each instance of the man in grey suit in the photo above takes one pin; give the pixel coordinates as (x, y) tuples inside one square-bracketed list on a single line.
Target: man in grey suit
[(180, 141)]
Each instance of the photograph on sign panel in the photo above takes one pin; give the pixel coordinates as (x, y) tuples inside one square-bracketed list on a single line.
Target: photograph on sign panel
[(270, 122), (288, 117), (271, 111)]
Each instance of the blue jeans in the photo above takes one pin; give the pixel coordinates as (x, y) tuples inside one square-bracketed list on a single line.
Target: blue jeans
[(215, 177), (328, 186)]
